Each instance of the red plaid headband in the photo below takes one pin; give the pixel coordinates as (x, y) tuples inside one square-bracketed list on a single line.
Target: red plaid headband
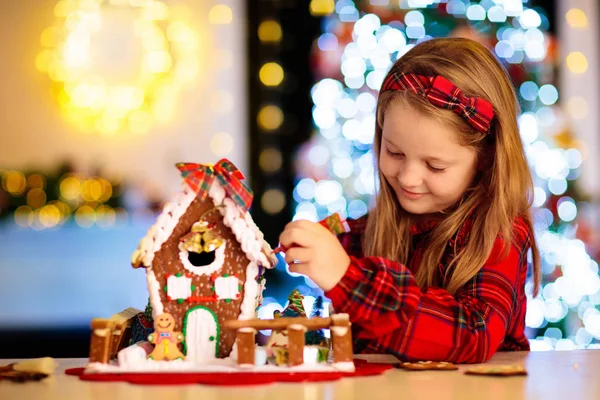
[(442, 93)]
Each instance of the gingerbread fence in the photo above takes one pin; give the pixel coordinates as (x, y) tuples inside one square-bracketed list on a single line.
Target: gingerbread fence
[(338, 324)]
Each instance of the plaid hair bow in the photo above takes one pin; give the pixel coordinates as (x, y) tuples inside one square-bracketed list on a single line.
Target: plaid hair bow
[(199, 177), (442, 93)]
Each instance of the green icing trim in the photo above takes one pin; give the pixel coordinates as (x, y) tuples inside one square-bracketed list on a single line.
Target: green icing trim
[(179, 274), (193, 288), (165, 288), (179, 301), (216, 322)]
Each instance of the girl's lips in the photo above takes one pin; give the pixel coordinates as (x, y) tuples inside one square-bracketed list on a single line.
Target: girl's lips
[(411, 195)]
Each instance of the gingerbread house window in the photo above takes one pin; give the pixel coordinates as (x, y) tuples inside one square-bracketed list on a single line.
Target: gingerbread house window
[(227, 287)]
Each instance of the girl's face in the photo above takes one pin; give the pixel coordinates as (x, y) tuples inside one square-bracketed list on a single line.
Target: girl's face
[(423, 161)]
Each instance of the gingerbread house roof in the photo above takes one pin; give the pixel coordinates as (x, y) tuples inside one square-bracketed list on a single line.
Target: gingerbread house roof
[(234, 217)]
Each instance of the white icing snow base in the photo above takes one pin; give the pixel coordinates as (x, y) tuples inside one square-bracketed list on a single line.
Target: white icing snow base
[(224, 365)]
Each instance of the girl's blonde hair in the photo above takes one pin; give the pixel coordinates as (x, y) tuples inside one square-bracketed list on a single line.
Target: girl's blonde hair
[(502, 189)]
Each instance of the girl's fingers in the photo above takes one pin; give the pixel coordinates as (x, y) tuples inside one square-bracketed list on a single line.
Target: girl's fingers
[(299, 268), (299, 254), (295, 236)]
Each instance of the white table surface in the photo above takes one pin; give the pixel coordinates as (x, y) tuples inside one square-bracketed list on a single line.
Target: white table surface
[(571, 375)]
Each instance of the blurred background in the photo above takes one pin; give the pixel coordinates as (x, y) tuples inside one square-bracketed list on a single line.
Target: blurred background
[(100, 98)]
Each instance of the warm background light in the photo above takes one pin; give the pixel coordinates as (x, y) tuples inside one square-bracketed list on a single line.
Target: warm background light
[(129, 90)]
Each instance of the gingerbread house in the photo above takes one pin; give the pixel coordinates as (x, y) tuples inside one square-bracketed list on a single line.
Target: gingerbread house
[(204, 259)]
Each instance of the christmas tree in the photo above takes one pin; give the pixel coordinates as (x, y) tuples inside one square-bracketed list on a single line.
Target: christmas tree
[(359, 43), (295, 307)]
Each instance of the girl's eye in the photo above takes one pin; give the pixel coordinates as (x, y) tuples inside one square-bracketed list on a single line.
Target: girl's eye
[(394, 155), (435, 170)]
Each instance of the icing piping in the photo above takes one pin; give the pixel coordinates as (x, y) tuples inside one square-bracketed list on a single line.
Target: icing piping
[(154, 292), (209, 269)]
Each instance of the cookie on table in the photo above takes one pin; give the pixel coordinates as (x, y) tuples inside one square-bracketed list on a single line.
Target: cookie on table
[(427, 366), (497, 370)]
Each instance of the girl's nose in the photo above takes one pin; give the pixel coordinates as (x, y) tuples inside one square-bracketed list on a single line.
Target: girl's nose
[(409, 176)]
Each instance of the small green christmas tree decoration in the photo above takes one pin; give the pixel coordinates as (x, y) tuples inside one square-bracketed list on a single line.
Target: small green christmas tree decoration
[(295, 308), (148, 311)]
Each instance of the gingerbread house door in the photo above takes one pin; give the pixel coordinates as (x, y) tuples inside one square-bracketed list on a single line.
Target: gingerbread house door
[(200, 328)]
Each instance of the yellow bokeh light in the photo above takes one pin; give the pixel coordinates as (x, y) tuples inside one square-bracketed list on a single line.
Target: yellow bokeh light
[(36, 181), (70, 188), (272, 201), (269, 117), (14, 182), (221, 144), (270, 160), (22, 215), (271, 74), (91, 190), (91, 101), (220, 15), (576, 18), (49, 37), (321, 7), (269, 31), (577, 62), (85, 216), (63, 208), (36, 198), (64, 8), (105, 217), (50, 216)]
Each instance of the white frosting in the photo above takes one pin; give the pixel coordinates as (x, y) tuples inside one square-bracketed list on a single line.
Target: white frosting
[(101, 332), (247, 329), (179, 287), (226, 365), (347, 366), (339, 330), (205, 270), (227, 287), (154, 292), (297, 327)]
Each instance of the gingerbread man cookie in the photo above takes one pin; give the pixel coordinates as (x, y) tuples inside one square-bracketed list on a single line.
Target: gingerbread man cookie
[(165, 340)]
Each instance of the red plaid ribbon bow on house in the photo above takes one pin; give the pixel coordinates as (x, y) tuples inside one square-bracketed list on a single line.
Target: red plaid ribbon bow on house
[(442, 93), (199, 177)]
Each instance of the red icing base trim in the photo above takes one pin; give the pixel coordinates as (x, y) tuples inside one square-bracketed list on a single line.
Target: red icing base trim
[(229, 379)]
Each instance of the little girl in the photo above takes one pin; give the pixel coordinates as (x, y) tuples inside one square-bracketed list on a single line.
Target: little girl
[(437, 269)]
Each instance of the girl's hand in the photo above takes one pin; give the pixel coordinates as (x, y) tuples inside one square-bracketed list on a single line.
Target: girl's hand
[(314, 251)]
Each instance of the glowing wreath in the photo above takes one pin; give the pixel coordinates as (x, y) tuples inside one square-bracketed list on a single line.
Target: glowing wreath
[(93, 98)]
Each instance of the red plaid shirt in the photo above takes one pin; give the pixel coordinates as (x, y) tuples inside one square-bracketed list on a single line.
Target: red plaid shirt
[(390, 314)]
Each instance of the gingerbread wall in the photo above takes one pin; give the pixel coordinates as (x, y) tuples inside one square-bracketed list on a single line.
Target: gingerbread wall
[(166, 261)]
